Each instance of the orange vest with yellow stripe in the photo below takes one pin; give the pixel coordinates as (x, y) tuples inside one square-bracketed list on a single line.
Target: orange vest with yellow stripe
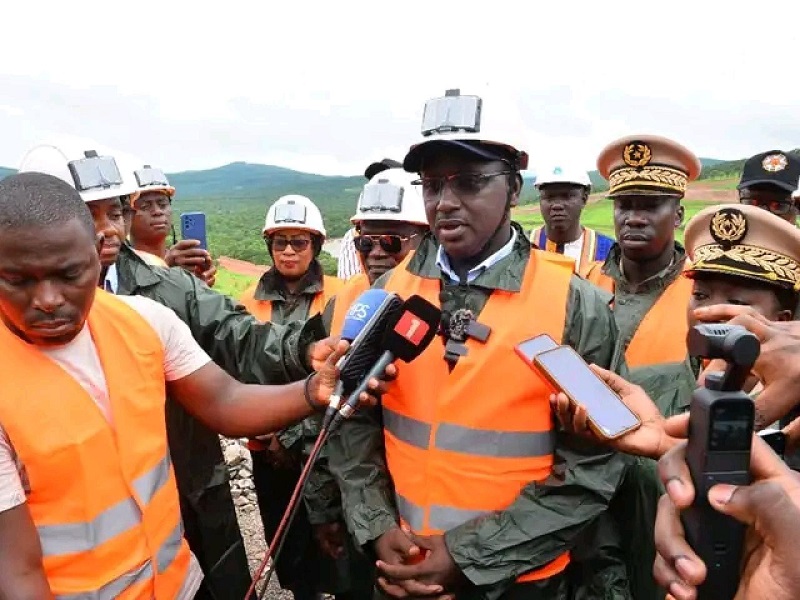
[(262, 309), (661, 336), (465, 443), (103, 497), (351, 290)]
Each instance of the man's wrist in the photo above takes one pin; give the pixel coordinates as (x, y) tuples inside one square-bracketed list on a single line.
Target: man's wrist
[(311, 393)]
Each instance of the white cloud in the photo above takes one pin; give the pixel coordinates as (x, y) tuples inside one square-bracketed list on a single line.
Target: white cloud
[(330, 86)]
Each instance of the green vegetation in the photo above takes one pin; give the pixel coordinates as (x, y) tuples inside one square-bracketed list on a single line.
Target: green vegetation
[(232, 284), (600, 216), (235, 198)]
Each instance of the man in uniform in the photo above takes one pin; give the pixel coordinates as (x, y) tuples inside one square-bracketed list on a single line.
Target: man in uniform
[(768, 181), (648, 176), (563, 193), (249, 351), (461, 485), (349, 263)]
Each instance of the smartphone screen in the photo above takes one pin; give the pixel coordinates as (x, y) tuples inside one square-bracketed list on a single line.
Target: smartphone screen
[(570, 373), (530, 348)]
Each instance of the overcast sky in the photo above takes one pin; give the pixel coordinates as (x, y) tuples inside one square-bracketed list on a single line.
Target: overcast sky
[(329, 86)]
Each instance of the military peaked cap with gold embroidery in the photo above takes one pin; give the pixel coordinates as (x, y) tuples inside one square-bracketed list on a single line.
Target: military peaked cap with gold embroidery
[(647, 164), (740, 240)]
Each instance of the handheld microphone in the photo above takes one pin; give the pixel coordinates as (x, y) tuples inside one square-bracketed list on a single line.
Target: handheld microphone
[(405, 338), (363, 327)]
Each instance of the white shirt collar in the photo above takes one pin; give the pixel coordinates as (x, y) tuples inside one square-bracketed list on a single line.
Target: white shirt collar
[(443, 262), (111, 283)]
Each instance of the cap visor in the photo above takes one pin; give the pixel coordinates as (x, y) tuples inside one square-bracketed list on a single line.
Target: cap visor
[(775, 182), (416, 156)]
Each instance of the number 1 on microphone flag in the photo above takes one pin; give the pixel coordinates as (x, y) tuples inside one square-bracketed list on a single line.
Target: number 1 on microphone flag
[(412, 328)]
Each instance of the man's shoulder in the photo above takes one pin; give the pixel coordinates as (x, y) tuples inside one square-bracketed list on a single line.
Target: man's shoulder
[(588, 295)]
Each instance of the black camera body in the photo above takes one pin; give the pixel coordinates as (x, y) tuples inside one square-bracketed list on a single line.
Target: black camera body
[(721, 421)]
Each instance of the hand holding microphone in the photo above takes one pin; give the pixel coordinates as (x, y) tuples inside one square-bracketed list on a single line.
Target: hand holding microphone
[(405, 337)]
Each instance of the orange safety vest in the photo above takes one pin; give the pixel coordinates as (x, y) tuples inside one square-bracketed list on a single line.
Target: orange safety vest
[(351, 290), (103, 497), (262, 309), (465, 443), (661, 336)]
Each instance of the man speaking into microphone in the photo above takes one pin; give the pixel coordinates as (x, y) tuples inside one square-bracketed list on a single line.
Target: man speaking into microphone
[(460, 485)]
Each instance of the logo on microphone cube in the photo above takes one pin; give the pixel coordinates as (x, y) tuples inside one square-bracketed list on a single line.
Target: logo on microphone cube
[(412, 328), (358, 311)]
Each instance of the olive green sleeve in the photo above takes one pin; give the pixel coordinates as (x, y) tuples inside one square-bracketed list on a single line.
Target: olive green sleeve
[(250, 351), (548, 517), (321, 495), (356, 459)]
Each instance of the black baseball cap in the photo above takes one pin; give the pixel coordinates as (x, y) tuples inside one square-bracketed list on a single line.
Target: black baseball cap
[(774, 167), (381, 165)]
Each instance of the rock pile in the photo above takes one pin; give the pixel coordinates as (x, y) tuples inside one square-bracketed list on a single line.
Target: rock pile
[(240, 469)]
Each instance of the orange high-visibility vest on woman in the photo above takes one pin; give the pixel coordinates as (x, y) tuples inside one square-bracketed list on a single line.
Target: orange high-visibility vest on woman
[(661, 335), (262, 309), (465, 443), (352, 289), (102, 496)]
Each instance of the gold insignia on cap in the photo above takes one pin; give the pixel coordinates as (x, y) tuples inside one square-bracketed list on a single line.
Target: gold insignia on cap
[(728, 227), (774, 163), (637, 154)]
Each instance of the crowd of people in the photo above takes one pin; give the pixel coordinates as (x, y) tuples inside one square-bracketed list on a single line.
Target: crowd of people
[(464, 473)]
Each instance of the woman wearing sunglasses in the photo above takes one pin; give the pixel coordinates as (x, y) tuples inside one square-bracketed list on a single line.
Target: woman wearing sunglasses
[(294, 289)]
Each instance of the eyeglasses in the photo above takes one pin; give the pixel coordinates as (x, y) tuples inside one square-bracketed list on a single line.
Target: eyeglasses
[(391, 244), (765, 201), (462, 184), (279, 244)]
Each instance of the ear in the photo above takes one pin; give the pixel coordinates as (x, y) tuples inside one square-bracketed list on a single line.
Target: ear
[(679, 214), (98, 242), (516, 189), (784, 315)]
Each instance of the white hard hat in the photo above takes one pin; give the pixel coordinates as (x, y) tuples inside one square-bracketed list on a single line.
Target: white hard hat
[(564, 174), (294, 212), (145, 177), (457, 120), (87, 166), (389, 196)]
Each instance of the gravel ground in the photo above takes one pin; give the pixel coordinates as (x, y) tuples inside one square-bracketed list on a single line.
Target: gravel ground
[(242, 489)]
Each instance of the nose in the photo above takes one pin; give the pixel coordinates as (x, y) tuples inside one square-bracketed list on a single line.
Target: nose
[(289, 250), (377, 251), (48, 297), (447, 200), (636, 218)]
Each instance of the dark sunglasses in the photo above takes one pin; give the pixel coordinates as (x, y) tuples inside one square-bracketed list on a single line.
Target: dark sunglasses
[(777, 207), (462, 184), (391, 244), (280, 244)]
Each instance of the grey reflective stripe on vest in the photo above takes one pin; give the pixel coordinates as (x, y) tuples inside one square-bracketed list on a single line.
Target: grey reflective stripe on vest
[(467, 440), (440, 517), (81, 537), (166, 554), (491, 443), (411, 513), (411, 431)]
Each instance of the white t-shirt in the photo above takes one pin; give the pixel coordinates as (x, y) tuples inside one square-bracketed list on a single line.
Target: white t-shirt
[(79, 358)]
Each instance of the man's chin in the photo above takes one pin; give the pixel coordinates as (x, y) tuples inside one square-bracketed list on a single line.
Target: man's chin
[(54, 340)]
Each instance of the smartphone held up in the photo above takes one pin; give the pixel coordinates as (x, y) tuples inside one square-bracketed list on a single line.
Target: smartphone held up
[(608, 416)]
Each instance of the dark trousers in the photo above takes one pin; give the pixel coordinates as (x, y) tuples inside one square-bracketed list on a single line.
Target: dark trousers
[(297, 566)]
